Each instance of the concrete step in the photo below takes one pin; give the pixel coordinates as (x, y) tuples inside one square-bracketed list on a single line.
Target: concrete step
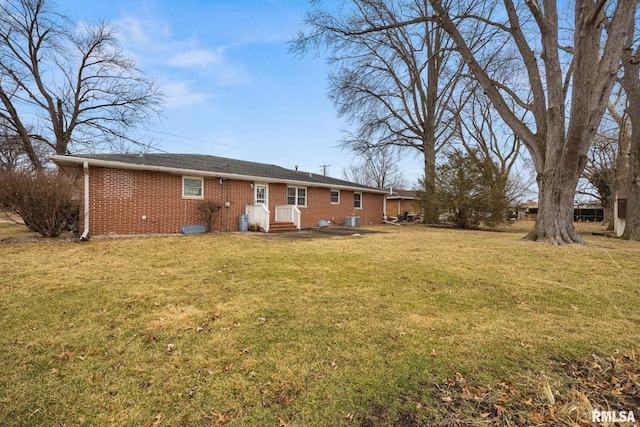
[(281, 227)]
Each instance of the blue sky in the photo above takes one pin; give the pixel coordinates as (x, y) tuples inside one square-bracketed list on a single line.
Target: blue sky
[(232, 88)]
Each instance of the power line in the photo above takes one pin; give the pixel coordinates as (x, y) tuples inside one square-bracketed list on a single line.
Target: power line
[(324, 167), (186, 137)]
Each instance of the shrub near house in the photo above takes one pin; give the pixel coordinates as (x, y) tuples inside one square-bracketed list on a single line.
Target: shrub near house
[(46, 201)]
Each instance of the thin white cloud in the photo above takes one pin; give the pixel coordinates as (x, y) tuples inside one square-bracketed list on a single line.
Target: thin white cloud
[(198, 58), (132, 31), (197, 72), (180, 94)]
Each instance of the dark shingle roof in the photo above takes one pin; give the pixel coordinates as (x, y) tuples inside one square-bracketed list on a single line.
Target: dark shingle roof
[(214, 164)]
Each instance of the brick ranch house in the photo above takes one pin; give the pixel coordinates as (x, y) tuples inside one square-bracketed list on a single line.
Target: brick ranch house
[(159, 193)]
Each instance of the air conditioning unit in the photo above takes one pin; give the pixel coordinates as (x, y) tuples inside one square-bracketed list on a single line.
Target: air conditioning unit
[(352, 221)]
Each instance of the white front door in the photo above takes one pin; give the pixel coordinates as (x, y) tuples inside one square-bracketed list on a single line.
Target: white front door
[(262, 194)]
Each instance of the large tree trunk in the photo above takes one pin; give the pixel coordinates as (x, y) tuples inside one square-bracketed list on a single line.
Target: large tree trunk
[(554, 222), (431, 213), (558, 177), (430, 113), (607, 217)]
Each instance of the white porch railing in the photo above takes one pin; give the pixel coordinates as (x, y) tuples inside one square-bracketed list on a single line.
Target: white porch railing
[(258, 214), (288, 213)]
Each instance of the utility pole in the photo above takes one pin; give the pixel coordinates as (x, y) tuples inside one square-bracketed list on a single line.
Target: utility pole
[(324, 169)]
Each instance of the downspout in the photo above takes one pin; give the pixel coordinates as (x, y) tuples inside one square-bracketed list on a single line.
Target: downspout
[(384, 204), (85, 233), (227, 205)]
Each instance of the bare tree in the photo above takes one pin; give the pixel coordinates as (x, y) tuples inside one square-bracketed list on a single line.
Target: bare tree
[(379, 168), (564, 122), (562, 98), (392, 81), (74, 78), (630, 82), (13, 156), (11, 151)]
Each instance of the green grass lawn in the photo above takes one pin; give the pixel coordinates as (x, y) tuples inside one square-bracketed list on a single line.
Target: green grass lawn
[(411, 326)]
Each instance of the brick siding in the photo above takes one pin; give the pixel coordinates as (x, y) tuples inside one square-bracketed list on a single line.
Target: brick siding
[(319, 205), (139, 202)]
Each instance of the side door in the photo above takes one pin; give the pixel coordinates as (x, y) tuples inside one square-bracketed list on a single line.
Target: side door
[(261, 194)]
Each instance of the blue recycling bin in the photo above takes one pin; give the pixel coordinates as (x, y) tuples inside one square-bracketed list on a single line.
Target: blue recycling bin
[(243, 223)]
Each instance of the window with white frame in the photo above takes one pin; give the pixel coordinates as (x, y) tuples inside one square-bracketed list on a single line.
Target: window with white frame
[(357, 200), (335, 197), (297, 196), (192, 188)]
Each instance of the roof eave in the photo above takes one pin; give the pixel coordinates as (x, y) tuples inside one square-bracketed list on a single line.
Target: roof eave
[(62, 160), (400, 198)]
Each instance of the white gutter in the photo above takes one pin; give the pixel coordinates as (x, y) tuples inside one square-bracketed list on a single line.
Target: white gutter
[(85, 233), (72, 160)]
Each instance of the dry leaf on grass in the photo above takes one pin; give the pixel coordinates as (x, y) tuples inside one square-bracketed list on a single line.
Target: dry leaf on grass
[(154, 421), (65, 355)]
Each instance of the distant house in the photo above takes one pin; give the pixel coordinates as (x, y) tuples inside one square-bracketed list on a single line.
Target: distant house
[(160, 193), (399, 202)]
